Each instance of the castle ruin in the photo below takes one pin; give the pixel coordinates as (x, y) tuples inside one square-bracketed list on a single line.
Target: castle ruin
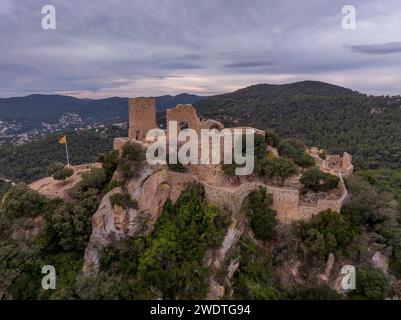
[(157, 183), (287, 201)]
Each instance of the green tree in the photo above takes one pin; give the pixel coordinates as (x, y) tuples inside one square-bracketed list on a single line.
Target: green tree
[(300, 292), (316, 180), (92, 182), (171, 265), (122, 256), (176, 167), (306, 160), (123, 200), (54, 167), (69, 226), (109, 162), (280, 168), (371, 284), (271, 138), (131, 159), (262, 217), (326, 232), (254, 279), (295, 149), (63, 174), (22, 201)]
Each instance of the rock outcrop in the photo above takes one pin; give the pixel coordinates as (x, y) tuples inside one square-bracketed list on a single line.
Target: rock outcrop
[(381, 262), (151, 189)]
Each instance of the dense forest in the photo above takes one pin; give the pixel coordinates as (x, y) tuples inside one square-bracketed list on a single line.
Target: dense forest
[(29, 162)]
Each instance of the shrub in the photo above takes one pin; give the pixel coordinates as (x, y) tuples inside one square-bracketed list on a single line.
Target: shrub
[(254, 279), (295, 150), (229, 169), (326, 232), (22, 201), (171, 266), (131, 158), (280, 168), (63, 174), (123, 200), (54, 167), (109, 162), (93, 181), (176, 167), (371, 284), (306, 160), (122, 256), (263, 219), (322, 154), (113, 184), (316, 180), (300, 292), (271, 139)]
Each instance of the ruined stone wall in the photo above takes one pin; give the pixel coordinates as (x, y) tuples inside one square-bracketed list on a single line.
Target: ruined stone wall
[(347, 166), (142, 117), (336, 204), (306, 212), (211, 124), (333, 164), (285, 201), (178, 181), (221, 198)]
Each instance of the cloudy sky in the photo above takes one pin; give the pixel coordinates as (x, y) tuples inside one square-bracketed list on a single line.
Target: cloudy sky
[(154, 47)]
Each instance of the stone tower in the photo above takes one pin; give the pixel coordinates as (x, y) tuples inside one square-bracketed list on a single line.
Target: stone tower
[(141, 117)]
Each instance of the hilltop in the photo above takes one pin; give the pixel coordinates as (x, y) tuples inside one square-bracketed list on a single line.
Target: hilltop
[(302, 88), (328, 116), (130, 230)]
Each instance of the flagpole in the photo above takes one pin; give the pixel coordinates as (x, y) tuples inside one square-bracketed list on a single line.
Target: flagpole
[(66, 151)]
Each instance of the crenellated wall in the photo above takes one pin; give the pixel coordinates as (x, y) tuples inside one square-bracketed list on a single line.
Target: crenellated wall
[(333, 164)]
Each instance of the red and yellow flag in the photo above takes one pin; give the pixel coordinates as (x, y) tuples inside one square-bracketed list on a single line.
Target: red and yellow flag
[(62, 140)]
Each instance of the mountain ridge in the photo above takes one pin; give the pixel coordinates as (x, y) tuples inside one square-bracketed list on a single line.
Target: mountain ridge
[(33, 110)]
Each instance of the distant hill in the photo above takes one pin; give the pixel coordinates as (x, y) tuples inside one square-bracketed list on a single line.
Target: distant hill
[(324, 115), (115, 108), (32, 110), (302, 88), (166, 102)]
